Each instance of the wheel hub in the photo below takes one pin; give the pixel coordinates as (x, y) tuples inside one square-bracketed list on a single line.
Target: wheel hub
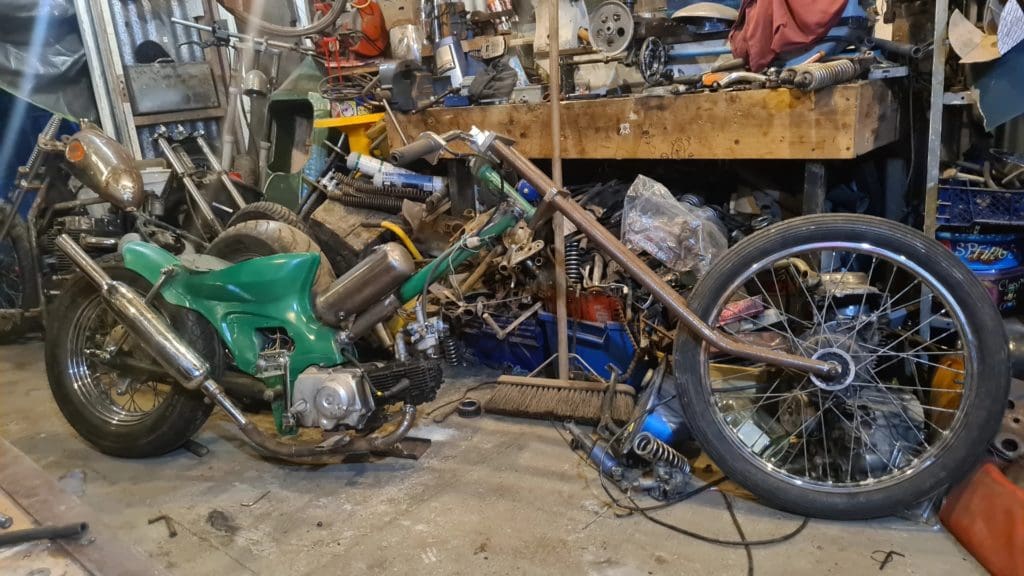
[(847, 369)]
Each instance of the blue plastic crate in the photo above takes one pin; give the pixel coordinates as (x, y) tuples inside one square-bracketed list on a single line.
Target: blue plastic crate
[(961, 205)]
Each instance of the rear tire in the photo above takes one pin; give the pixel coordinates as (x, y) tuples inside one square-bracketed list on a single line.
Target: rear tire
[(984, 385), (266, 210), (257, 238), (119, 430), (19, 278)]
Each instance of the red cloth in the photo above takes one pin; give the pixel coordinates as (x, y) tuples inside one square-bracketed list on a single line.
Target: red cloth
[(766, 28)]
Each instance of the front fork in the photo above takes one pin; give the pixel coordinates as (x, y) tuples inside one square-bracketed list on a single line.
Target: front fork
[(556, 199)]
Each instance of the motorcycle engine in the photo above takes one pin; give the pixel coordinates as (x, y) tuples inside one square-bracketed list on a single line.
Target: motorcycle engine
[(329, 397), (97, 235), (332, 397)]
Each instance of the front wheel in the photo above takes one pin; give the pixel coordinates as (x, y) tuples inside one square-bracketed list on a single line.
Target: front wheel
[(925, 371), (111, 391)]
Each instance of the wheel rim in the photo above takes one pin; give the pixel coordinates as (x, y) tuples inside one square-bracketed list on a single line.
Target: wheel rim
[(11, 288), (117, 399), (869, 429)]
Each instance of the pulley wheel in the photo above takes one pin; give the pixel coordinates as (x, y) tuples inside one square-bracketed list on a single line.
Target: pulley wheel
[(611, 27)]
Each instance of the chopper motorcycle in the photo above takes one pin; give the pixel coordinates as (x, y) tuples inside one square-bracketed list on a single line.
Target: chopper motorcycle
[(884, 379)]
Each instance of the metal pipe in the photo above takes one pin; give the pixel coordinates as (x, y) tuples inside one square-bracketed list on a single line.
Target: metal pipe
[(215, 165), (501, 333), (638, 270), (555, 99), (43, 533), (478, 272), (75, 204), (169, 349), (366, 320), (207, 219), (97, 242)]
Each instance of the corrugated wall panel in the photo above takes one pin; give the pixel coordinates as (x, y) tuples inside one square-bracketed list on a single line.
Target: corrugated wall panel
[(136, 21)]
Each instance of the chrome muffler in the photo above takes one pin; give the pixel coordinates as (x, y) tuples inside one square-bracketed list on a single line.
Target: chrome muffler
[(152, 331), (192, 371)]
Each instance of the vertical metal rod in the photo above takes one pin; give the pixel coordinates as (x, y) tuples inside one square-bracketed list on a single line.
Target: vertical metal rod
[(931, 198), (557, 222), (215, 165), (208, 222)]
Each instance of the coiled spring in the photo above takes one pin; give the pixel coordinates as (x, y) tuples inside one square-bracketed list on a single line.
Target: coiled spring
[(653, 450), (573, 264), (817, 76), (450, 348), (48, 133), (390, 204)]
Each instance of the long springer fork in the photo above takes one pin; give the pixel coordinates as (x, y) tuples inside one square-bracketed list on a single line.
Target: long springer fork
[(556, 199)]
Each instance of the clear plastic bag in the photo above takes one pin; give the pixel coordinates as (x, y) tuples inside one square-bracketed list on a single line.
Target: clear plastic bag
[(681, 236)]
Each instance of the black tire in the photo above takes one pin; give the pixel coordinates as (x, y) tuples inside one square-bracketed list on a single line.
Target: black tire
[(19, 288), (984, 395), (265, 210), (257, 238), (172, 422)]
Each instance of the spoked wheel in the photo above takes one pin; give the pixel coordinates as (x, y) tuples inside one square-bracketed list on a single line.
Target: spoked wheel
[(924, 367), (19, 289), (111, 391)]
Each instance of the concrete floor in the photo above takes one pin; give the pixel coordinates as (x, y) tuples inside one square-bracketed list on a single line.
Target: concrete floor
[(492, 496)]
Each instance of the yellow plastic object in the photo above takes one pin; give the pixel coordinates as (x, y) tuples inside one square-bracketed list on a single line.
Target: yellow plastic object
[(947, 390), (354, 127), (394, 228)]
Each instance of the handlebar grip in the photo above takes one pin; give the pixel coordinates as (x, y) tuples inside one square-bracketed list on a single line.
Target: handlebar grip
[(419, 148)]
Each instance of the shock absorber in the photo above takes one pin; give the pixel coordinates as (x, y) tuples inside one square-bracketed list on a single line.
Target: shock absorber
[(573, 264), (450, 348), (653, 450), (817, 76)]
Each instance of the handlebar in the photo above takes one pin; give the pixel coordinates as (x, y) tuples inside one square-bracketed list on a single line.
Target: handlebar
[(426, 145)]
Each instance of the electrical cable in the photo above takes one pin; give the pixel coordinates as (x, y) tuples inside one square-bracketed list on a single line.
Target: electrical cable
[(465, 394), (739, 530), (634, 507)]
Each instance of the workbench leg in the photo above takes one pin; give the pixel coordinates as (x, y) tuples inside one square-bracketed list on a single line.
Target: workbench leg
[(814, 187)]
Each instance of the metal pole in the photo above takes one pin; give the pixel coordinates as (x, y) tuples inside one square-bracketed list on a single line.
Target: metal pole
[(931, 198), (557, 222)]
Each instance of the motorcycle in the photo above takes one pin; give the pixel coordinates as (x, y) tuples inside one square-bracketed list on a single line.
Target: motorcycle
[(838, 366)]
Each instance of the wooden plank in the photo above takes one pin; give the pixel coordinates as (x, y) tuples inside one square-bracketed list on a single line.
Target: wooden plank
[(100, 552), (836, 123)]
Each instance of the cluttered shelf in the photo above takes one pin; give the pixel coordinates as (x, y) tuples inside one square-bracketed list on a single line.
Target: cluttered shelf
[(839, 122)]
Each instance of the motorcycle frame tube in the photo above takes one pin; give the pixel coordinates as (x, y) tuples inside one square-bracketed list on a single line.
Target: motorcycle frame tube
[(454, 256), (638, 270)]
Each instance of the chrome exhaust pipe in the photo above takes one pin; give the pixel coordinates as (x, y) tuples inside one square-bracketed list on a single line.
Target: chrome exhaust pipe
[(169, 349)]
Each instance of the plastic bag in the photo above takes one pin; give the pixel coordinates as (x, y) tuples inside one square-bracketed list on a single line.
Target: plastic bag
[(681, 236)]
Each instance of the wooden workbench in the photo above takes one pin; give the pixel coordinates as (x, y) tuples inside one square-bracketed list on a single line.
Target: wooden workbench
[(841, 122)]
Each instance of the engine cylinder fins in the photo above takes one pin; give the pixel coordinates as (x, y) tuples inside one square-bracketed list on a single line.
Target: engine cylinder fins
[(414, 382), (646, 446), (573, 264), (369, 281)]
